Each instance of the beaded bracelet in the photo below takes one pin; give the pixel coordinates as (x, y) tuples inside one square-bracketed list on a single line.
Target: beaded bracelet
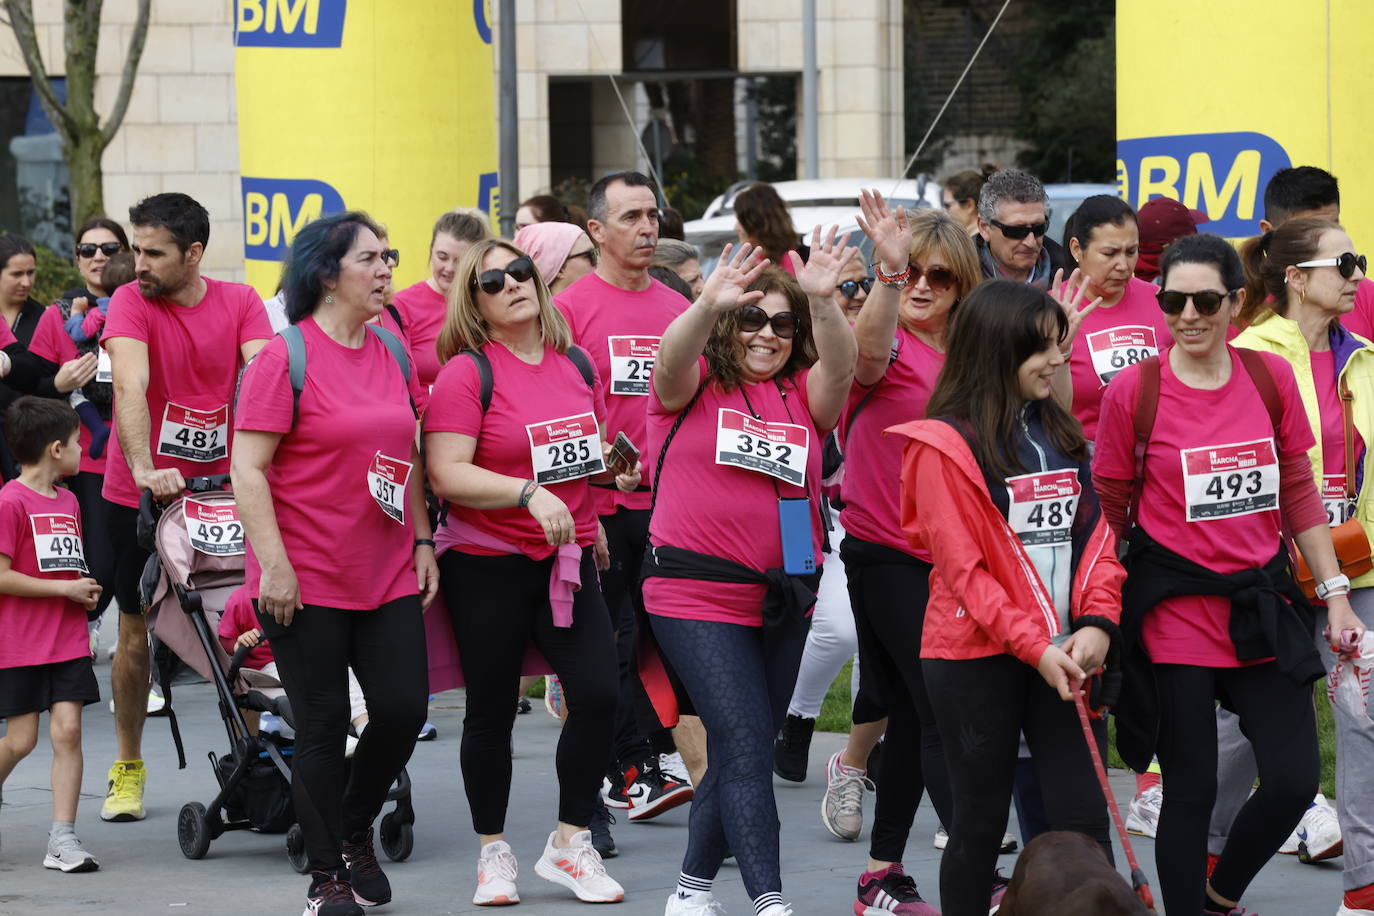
[(896, 281)]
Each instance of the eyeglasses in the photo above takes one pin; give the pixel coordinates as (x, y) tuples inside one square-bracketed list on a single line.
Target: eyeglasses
[(392, 257), (109, 249), (1019, 232), (850, 288), (753, 318), (493, 281), (591, 254), (1346, 263), (1206, 301), (939, 279)]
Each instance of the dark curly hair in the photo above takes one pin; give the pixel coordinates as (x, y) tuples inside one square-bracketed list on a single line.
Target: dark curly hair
[(725, 352)]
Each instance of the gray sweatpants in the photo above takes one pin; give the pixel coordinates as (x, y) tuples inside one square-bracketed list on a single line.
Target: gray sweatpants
[(1236, 770)]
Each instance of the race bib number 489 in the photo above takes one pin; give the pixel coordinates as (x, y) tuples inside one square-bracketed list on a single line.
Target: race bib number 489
[(1225, 481), (632, 362), (1116, 348), (214, 527), (1042, 506), (565, 449), (776, 449), (57, 543), (195, 435)]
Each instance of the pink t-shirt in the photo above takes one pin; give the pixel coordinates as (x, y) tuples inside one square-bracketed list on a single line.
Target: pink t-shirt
[(352, 441), (1109, 340), (536, 413), (238, 618), (6, 335), (419, 393), (1361, 319), (39, 631), (725, 510), (423, 311), (193, 365), (1211, 489), (873, 461), (1338, 508), (605, 318), (52, 342)]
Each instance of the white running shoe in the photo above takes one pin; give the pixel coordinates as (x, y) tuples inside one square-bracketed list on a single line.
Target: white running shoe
[(941, 840), (842, 806), (65, 853), (579, 868), (1317, 836), (673, 765), (1142, 817), (702, 903), (496, 872)]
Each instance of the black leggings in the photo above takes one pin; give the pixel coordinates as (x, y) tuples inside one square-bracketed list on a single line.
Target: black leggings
[(95, 534), (740, 679), (889, 603), (982, 706), (128, 557), (627, 534), (1278, 718), (336, 802), (500, 605)]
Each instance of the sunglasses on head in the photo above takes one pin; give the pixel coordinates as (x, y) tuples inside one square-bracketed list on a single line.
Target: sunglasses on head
[(939, 279), (753, 318), (392, 257), (1206, 302), (88, 249), (1019, 232), (591, 254), (493, 281), (850, 288), (1345, 263)]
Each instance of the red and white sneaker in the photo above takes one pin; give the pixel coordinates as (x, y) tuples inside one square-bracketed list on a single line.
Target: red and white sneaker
[(496, 872), (1359, 902), (650, 791), (579, 868)]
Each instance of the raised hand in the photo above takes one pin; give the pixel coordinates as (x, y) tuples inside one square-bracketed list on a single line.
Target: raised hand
[(890, 232), (736, 269), (1070, 297), (821, 273)]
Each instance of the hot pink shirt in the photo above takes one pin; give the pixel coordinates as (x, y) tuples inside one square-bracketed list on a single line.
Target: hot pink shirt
[(605, 317), (1109, 340), (38, 631), (721, 509), (52, 342), (193, 362), (346, 550), (1361, 319), (422, 311), (238, 618), (525, 401), (1338, 508), (1195, 630), (872, 460)]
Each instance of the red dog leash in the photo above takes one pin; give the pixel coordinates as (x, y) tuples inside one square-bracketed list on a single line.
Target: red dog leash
[(1138, 880)]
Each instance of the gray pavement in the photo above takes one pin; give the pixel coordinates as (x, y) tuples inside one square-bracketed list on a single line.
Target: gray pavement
[(143, 871)]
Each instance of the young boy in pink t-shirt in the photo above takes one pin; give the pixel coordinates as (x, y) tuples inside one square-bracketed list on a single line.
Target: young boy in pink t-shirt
[(45, 591)]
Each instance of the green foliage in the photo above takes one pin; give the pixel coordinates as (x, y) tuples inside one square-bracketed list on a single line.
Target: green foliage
[(835, 708), (690, 190)]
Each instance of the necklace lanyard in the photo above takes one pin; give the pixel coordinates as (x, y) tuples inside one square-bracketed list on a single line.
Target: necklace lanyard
[(744, 393)]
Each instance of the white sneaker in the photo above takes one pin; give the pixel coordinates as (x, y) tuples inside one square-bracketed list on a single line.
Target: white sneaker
[(941, 840), (1142, 817), (673, 765), (66, 854), (702, 903), (579, 868), (842, 806), (1317, 836), (496, 872)]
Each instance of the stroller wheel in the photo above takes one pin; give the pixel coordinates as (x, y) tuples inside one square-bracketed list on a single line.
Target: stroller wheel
[(192, 832), (295, 850), (398, 838)]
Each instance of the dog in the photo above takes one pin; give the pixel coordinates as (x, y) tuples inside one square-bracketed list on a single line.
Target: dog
[(1062, 873)]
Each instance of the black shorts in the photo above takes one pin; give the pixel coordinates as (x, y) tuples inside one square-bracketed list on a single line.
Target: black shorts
[(34, 688)]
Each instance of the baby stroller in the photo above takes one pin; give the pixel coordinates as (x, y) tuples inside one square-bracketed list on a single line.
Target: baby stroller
[(197, 561)]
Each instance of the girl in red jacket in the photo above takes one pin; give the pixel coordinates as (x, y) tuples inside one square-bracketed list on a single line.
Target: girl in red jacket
[(1025, 594)]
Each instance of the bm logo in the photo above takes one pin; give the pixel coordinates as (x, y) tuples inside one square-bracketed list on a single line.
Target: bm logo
[(289, 23), (275, 209), (1224, 175)]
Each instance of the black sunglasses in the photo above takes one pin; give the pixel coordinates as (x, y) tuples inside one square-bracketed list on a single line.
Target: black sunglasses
[(1206, 302), (493, 281), (753, 318), (88, 249), (1019, 232), (392, 257), (591, 254), (1346, 263), (850, 288)]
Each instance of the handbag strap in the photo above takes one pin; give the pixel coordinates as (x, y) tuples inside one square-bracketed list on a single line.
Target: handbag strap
[(1347, 421)]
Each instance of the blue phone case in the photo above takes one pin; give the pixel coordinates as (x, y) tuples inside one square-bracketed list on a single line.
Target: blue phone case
[(794, 525)]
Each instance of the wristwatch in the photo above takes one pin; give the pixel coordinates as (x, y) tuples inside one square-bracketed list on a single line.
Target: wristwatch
[(1325, 588)]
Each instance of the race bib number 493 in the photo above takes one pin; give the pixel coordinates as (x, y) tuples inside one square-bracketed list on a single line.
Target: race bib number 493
[(57, 543), (1225, 481), (632, 362), (195, 435), (776, 449), (1116, 348), (565, 449), (1042, 505), (214, 527)]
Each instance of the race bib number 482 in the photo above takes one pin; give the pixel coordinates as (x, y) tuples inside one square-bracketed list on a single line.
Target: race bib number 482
[(1042, 505), (1225, 481), (632, 362), (1116, 348), (214, 527), (565, 449), (776, 449), (57, 543), (195, 435)]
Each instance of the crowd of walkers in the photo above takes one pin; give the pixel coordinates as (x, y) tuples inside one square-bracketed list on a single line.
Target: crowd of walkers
[(989, 466)]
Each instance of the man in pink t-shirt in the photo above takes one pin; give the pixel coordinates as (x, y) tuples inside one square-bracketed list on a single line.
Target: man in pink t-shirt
[(176, 341)]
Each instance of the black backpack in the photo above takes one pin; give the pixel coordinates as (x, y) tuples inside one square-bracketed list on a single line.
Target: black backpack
[(579, 358)]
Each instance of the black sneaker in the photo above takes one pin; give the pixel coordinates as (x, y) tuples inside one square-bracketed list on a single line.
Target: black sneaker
[(523, 706), (894, 892), (602, 841), (651, 792), (791, 747), (369, 884), (330, 895)]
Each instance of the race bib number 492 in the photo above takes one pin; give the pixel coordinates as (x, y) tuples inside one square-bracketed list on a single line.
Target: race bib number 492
[(565, 449), (1226, 481), (1116, 348), (1042, 505), (632, 362), (195, 435), (776, 449), (214, 527), (57, 543)]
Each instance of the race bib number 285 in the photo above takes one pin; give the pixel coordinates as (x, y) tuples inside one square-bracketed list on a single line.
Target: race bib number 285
[(565, 449)]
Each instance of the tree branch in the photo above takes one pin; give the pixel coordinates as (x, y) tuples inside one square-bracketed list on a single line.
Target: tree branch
[(21, 20), (126, 79)]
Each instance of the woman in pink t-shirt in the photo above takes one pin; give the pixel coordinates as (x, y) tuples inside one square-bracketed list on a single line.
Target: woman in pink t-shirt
[(513, 436), (1215, 615), (748, 381), (340, 561)]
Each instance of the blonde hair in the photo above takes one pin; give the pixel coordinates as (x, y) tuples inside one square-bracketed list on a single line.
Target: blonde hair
[(937, 229), (464, 326)]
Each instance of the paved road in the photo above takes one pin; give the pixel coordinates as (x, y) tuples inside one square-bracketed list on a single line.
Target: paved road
[(143, 871)]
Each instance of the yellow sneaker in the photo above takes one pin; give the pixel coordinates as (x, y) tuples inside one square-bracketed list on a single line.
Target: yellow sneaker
[(124, 798)]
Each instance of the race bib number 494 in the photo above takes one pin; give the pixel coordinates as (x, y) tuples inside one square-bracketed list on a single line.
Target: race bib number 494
[(1116, 348), (632, 362), (195, 435), (57, 543), (1225, 481), (565, 449), (1042, 505), (776, 449), (214, 527)]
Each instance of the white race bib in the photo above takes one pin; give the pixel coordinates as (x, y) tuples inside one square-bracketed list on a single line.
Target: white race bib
[(214, 527), (632, 361), (104, 369), (57, 543), (195, 435), (1338, 509), (776, 449), (1042, 506), (1226, 481), (386, 481), (565, 449), (1116, 348)]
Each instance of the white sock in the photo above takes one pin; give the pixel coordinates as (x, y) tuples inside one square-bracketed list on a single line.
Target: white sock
[(688, 885)]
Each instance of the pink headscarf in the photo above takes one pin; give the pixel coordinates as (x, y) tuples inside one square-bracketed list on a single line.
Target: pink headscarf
[(548, 244)]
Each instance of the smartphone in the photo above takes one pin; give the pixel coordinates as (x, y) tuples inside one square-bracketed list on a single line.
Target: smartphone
[(794, 525), (623, 455)]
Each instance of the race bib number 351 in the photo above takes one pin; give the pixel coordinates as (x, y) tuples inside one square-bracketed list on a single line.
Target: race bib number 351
[(214, 528), (57, 543), (1042, 505), (1224, 481), (776, 449), (386, 481), (195, 435), (1116, 348), (565, 449), (632, 362)]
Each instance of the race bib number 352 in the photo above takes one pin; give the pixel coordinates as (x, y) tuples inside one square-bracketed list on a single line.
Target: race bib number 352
[(214, 527), (632, 362), (1225, 481), (195, 435), (776, 449), (1042, 505), (57, 543), (565, 449)]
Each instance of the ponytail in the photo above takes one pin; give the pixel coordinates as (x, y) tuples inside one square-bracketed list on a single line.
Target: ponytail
[(1253, 255), (1266, 260)]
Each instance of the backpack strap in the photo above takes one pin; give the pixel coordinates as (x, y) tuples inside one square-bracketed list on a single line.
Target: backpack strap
[(295, 366), (1253, 361), (396, 316), (479, 359), (583, 362), (393, 343), (1146, 406)]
